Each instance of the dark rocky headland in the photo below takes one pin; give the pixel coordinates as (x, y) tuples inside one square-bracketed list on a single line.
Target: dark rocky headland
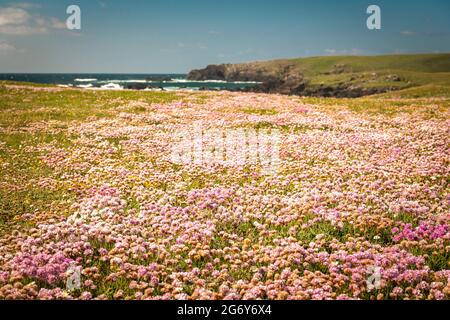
[(346, 76)]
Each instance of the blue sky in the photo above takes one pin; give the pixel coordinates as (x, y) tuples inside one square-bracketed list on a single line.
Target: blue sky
[(159, 36)]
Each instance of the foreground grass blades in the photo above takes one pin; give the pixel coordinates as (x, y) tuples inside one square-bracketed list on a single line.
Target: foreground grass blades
[(86, 180)]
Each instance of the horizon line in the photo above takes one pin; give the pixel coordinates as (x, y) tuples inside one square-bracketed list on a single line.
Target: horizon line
[(224, 63)]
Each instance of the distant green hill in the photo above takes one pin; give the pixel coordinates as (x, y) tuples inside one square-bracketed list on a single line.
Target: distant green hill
[(341, 75), (415, 63)]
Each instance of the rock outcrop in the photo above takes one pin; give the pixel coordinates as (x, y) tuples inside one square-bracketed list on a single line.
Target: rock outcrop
[(284, 78)]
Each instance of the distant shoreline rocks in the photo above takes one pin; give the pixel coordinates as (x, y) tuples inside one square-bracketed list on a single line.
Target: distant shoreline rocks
[(142, 86), (286, 79), (334, 76)]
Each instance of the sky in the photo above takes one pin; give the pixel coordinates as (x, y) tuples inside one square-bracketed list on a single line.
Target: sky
[(175, 36)]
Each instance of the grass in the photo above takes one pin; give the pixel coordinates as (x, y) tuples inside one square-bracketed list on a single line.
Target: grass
[(424, 91), (397, 72), (416, 63), (23, 169), (260, 112), (22, 107)]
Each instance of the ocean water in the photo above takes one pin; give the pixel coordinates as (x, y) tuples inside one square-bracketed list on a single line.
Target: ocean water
[(125, 81)]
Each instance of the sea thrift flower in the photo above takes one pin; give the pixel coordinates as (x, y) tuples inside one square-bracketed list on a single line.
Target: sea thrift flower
[(355, 190)]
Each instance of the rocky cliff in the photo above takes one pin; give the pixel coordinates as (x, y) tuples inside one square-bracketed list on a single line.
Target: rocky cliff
[(280, 78), (346, 76), (283, 78)]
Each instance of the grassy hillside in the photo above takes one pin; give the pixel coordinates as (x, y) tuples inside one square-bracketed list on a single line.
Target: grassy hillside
[(394, 72), (416, 63)]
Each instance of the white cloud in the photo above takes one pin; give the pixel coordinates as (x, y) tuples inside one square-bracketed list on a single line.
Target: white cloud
[(25, 5), (6, 48), (13, 16), (19, 22), (425, 34), (407, 33), (57, 24), (351, 52)]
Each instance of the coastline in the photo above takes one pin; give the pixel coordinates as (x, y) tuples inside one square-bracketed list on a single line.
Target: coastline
[(168, 82), (338, 77)]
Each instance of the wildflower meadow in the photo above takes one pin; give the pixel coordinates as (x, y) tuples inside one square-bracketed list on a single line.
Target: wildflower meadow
[(221, 195)]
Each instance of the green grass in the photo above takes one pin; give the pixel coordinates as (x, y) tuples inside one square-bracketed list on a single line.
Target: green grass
[(415, 63), (21, 107), (23, 83), (23, 168), (412, 71), (424, 91), (260, 112)]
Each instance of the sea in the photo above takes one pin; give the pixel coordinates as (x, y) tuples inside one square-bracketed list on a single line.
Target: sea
[(153, 82)]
